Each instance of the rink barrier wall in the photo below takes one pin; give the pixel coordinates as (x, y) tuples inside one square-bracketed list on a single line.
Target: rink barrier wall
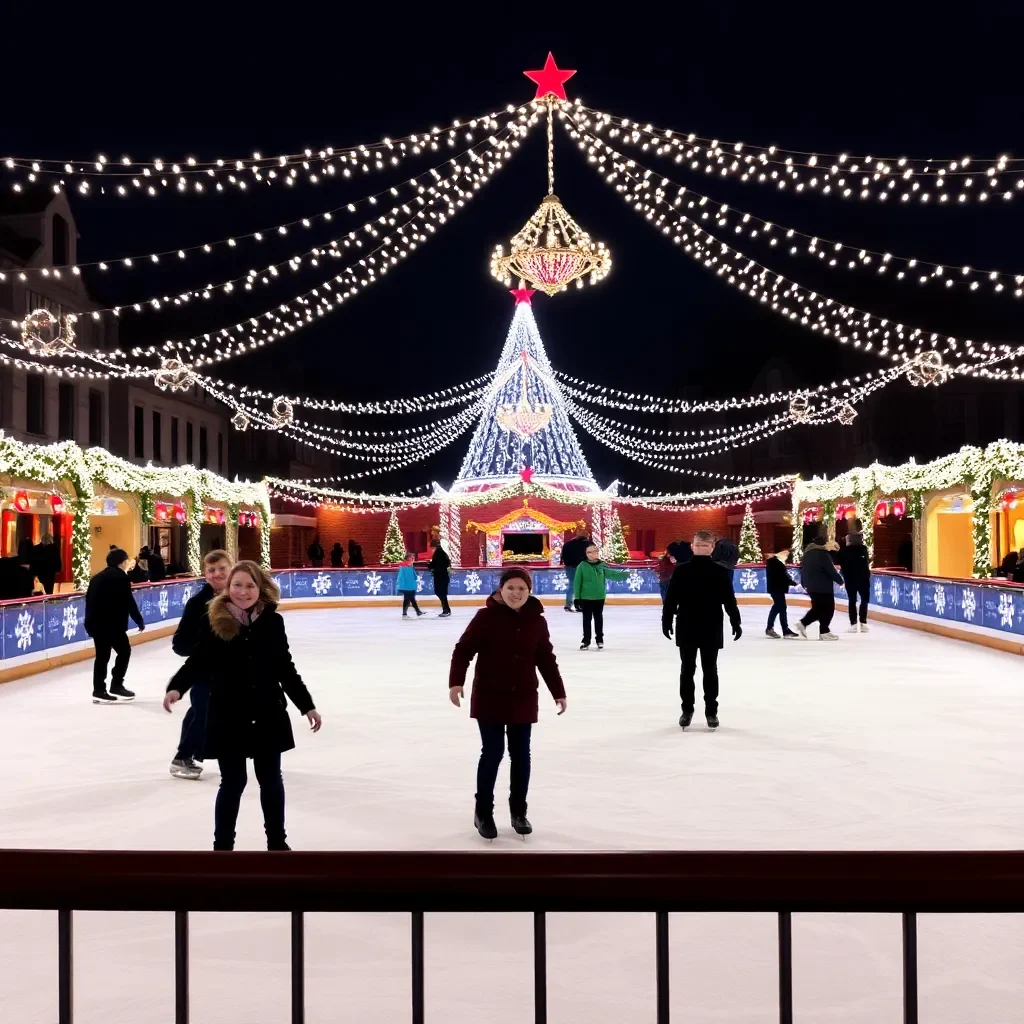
[(40, 633)]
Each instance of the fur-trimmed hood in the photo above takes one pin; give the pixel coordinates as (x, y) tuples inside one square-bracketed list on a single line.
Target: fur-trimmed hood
[(223, 622)]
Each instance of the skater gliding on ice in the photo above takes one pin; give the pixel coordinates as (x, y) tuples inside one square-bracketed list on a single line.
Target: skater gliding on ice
[(778, 582), (246, 659), (510, 640), (699, 590), (590, 590), (818, 574), (573, 553), (439, 565), (407, 584), (109, 603), (856, 570)]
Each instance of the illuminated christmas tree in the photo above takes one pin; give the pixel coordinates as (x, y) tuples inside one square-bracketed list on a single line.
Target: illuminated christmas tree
[(394, 542), (618, 549), (524, 423), (750, 544)]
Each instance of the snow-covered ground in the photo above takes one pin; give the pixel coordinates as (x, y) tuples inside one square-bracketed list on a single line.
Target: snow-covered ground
[(890, 740)]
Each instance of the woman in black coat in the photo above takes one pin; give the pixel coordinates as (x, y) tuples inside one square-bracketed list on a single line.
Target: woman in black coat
[(246, 658), (439, 565)]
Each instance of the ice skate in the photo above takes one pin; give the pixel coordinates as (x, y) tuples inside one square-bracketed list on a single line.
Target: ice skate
[(854, 628), (445, 615), (801, 629), (483, 821), (584, 647), (712, 722), (863, 627), (103, 698), (790, 635), (772, 635), (278, 846), (521, 825), (600, 647), (121, 693), (828, 636), (185, 768), (685, 719)]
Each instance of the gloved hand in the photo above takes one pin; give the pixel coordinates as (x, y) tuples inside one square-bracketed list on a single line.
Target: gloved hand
[(578, 605), (667, 630), (737, 632)]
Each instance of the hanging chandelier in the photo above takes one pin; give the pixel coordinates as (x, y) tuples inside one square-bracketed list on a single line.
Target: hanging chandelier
[(551, 250), (523, 418), (48, 334)]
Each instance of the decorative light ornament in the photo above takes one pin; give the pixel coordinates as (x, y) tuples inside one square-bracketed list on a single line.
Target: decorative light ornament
[(847, 414), (282, 411), (240, 421), (160, 512), (551, 250), (57, 504), (46, 334), (800, 408), (927, 368), (174, 375), (21, 501), (523, 418)]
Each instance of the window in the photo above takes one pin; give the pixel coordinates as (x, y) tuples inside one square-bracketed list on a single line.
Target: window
[(59, 240), (188, 443), (35, 404), (203, 448), (140, 432), (66, 411), (220, 452), (174, 440), (96, 418), (158, 446)]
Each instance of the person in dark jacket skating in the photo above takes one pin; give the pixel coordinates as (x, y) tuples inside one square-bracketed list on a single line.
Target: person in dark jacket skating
[(510, 640), (573, 553), (439, 565), (245, 656), (109, 603), (699, 590), (193, 627), (778, 583), (818, 574), (46, 563), (856, 570)]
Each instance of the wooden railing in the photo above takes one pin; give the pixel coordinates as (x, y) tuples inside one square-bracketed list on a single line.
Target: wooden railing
[(492, 881)]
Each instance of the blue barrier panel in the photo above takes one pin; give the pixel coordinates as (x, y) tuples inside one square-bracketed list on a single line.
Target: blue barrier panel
[(24, 629), (65, 622)]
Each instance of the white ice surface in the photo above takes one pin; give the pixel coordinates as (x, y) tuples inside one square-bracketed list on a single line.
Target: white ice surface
[(890, 740)]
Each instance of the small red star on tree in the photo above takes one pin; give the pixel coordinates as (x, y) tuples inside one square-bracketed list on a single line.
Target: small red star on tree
[(526, 474), (523, 295), (550, 80)]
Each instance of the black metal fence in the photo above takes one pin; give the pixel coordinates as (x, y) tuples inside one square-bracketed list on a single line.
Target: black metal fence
[(418, 883)]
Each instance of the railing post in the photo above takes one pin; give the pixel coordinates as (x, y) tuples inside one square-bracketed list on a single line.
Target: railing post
[(785, 968), (65, 968), (417, 967), (910, 969), (661, 955), (181, 967), (540, 968), (298, 968)]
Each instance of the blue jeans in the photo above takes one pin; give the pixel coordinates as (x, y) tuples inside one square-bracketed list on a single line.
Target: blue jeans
[(570, 571), (233, 779), (778, 609), (663, 587), (492, 736), (193, 728)]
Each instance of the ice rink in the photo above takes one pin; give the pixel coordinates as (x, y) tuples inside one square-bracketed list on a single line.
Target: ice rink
[(890, 740)]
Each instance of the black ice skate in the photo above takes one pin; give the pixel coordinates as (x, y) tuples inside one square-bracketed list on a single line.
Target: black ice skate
[(584, 647), (521, 825), (484, 824), (102, 697), (121, 693), (712, 721), (278, 846), (600, 646), (685, 719), (185, 768)]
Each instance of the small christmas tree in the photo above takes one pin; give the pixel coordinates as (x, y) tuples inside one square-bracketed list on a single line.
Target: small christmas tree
[(394, 543), (618, 549), (750, 546)]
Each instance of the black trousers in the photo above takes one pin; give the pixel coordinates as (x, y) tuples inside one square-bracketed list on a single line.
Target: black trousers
[(441, 590), (863, 589), (823, 607), (47, 582), (709, 668), (233, 779), (593, 618), (779, 611), (409, 598), (117, 642), (492, 737), (193, 727)]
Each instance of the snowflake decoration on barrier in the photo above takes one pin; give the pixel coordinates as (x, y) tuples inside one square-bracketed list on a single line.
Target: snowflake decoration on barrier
[(322, 584), (940, 600), (915, 595), (373, 582), (47, 334), (894, 592), (927, 368), (282, 412), (23, 630), (800, 409), (163, 602), (878, 591), (748, 579), (186, 595), (1005, 609), (174, 375), (560, 581), (240, 421), (419, 584), (69, 622), (635, 581), (473, 583), (969, 605)]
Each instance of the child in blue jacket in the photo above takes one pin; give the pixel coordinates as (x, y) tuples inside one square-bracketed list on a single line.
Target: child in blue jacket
[(406, 586)]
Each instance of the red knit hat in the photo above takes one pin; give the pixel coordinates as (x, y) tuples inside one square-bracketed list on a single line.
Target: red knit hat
[(516, 573)]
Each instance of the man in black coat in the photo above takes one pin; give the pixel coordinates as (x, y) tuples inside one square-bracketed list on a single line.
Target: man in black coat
[(439, 565), (699, 590), (193, 628), (856, 569), (108, 604), (46, 563), (818, 574), (573, 553)]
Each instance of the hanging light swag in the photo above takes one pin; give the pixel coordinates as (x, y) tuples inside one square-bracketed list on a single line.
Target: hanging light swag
[(523, 418)]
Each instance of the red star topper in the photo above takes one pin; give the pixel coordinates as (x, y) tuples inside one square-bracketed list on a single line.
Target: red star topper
[(523, 295), (550, 80), (526, 474)]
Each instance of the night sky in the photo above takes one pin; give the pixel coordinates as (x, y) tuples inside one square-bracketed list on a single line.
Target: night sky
[(863, 78)]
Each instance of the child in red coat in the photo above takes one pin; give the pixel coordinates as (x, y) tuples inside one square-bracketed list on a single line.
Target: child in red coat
[(510, 640)]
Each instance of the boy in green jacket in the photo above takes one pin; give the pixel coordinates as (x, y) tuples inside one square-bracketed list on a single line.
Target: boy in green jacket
[(589, 592)]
